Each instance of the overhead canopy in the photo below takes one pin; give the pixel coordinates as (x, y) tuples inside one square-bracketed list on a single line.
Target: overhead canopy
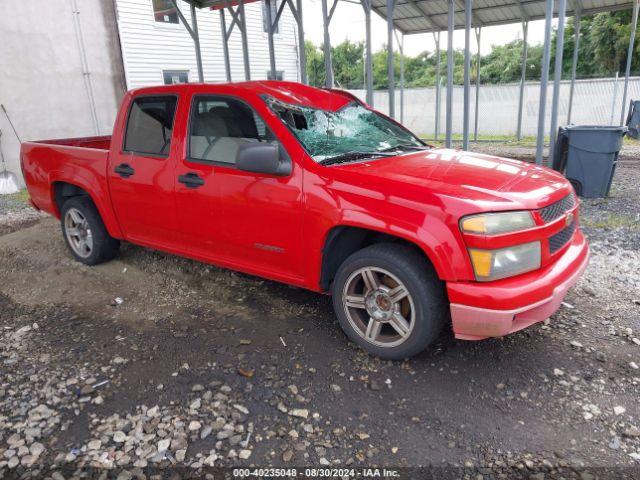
[(421, 16)]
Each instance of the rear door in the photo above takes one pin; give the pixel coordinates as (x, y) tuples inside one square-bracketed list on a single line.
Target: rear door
[(142, 173), (250, 221)]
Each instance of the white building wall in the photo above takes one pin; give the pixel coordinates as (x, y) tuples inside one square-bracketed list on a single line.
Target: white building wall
[(149, 47)]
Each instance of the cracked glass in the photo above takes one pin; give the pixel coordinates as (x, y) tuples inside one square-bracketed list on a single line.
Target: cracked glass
[(352, 132)]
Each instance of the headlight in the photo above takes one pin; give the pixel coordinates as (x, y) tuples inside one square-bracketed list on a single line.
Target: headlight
[(505, 262), (493, 223)]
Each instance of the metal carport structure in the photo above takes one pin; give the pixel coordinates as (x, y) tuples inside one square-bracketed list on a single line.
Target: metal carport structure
[(433, 16)]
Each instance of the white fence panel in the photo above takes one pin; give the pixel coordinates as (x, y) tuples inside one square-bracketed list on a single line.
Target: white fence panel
[(593, 104)]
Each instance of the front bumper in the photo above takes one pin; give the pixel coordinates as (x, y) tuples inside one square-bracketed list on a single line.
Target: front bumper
[(481, 310)]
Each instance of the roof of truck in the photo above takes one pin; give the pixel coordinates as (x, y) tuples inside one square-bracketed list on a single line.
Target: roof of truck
[(288, 92)]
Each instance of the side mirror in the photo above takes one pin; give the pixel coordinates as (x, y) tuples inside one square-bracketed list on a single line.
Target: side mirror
[(263, 158)]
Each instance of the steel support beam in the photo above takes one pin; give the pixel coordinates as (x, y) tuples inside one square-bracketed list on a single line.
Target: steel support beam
[(449, 119), (436, 38), (400, 41), (544, 80), (297, 13), (225, 44), (390, 60), (328, 64), (242, 19), (193, 31), (614, 100), (574, 63), (366, 5), (196, 40), (557, 76), (627, 72), (477, 110), (272, 52), (402, 79), (467, 74), (523, 76)]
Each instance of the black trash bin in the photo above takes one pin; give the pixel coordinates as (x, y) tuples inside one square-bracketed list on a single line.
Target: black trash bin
[(633, 119), (587, 155)]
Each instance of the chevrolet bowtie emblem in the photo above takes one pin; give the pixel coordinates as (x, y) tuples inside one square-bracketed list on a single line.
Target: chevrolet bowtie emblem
[(569, 220)]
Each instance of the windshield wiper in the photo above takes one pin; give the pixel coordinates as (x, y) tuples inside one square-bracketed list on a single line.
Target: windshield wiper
[(353, 155), (407, 146)]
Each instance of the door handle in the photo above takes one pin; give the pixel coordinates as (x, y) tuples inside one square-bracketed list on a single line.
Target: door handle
[(124, 170), (191, 180)]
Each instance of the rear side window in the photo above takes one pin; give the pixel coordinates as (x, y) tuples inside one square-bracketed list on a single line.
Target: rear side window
[(220, 126), (150, 125)]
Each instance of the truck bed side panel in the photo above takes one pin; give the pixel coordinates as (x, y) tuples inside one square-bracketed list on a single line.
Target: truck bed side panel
[(46, 163), (102, 142)]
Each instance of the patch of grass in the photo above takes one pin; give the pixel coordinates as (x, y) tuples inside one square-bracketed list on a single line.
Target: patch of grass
[(611, 221), (21, 197), (506, 140)]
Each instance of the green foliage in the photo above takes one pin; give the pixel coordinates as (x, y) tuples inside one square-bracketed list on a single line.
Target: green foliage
[(315, 65), (348, 64), (604, 39), (504, 63)]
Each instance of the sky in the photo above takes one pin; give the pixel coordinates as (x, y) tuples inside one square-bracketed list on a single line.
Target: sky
[(348, 23)]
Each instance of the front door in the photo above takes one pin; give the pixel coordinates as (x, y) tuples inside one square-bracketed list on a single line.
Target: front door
[(249, 221), (142, 174)]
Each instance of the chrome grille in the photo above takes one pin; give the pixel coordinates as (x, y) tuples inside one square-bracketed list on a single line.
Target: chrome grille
[(560, 239), (557, 209)]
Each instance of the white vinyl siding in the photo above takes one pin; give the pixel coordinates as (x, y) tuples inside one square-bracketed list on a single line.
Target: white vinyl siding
[(150, 47)]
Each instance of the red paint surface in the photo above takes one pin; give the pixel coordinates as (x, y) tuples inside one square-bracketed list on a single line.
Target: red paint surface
[(418, 196)]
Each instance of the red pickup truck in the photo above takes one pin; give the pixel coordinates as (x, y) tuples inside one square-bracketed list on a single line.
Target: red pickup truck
[(313, 188)]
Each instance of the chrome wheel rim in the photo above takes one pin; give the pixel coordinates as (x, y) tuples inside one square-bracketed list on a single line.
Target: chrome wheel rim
[(379, 307), (78, 232)]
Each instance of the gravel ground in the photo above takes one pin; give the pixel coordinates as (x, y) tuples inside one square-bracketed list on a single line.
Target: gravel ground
[(156, 361), (630, 152)]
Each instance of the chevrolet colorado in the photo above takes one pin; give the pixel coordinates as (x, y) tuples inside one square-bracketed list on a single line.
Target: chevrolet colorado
[(313, 188)]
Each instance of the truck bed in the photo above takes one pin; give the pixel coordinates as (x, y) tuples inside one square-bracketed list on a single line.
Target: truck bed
[(82, 161)]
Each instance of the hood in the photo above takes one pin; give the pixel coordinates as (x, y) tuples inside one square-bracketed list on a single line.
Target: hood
[(486, 181)]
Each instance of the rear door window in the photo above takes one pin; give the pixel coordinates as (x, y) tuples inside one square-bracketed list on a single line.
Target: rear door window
[(150, 125)]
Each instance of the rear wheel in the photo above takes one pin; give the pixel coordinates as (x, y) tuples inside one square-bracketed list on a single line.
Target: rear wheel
[(84, 232), (389, 301)]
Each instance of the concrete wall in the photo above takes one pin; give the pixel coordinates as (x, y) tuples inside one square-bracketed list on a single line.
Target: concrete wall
[(594, 102), (42, 83)]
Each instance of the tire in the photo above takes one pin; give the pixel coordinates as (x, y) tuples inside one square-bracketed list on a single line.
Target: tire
[(80, 221), (424, 308)]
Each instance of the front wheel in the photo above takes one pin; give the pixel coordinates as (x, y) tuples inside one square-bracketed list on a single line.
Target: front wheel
[(389, 300)]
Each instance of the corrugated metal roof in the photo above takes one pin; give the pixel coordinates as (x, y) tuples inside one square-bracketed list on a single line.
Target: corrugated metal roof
[(420, 16)]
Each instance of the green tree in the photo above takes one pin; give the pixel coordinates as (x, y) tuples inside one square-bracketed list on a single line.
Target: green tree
[(610, 34), (316, 72), (604, 40), (348, 64)]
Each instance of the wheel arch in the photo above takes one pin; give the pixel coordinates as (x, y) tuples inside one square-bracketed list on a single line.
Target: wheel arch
[(343, 240), (61, 190)]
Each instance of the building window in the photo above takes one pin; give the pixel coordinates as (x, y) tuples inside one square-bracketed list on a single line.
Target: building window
[(279, 75), (172, 77), (164, 11), (274, 4)]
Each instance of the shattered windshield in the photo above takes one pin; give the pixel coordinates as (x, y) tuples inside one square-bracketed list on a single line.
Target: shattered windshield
[(354, 132)]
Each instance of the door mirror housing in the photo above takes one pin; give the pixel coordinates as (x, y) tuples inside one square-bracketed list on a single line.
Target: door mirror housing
[(262, 157)]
